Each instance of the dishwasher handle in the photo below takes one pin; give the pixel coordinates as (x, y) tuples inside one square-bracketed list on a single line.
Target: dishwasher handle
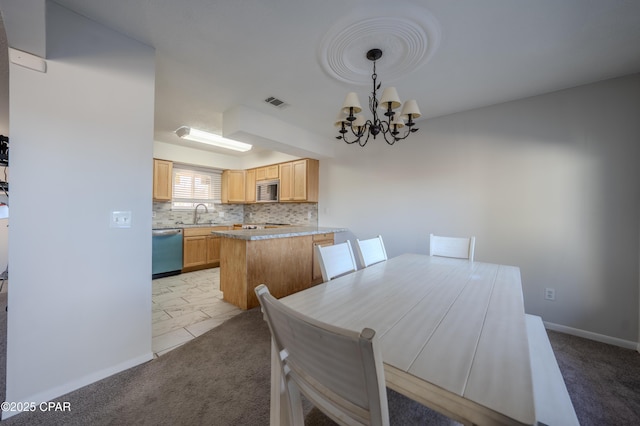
[(165, 232)]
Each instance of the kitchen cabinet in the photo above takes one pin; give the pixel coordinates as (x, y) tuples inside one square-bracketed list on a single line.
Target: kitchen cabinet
[(321, 240), (299, 181), (162, 187), (268, 172), (233, 186), (201, 249), (250, 186), (194, 252)]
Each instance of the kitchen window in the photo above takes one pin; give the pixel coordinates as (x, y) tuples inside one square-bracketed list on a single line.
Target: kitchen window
[(193, 185)]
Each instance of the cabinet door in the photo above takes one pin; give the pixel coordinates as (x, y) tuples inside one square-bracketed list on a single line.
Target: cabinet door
[(299, 187), (162, 187), (261, 173), (268, 172), (286, 181), (250, 186), (213, 249), (273, 172), (194, 251), (233, 186)]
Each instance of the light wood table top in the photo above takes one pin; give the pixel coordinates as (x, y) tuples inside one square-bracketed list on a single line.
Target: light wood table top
[(452, 332)]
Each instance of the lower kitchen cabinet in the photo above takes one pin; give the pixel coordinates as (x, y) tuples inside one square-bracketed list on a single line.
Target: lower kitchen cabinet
[(201, 249), (194, 252)]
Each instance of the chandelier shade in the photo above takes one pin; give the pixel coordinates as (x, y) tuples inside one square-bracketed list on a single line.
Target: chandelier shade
[(354, 128), (351, 103)]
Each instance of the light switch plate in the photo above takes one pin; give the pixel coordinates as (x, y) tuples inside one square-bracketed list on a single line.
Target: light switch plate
[(120, 219)]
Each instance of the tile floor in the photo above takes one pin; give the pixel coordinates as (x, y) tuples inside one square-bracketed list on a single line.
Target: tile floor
[(186, 306)]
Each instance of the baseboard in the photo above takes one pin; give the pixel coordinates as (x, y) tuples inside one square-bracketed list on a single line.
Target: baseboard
[(627, 344), (51, 394)]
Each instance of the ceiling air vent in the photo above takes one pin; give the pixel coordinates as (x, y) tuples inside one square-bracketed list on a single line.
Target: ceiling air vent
[(276, 102)]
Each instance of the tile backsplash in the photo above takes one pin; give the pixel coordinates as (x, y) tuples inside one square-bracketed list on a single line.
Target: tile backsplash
[(292, 213)]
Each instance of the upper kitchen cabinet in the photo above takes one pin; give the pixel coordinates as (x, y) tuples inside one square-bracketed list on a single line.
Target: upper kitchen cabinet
[(250, 185), (268, 172), (233, 186), (299, 180), (162, 171)]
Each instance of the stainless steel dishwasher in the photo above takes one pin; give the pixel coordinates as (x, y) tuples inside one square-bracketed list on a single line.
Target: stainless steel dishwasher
[(166, 258)]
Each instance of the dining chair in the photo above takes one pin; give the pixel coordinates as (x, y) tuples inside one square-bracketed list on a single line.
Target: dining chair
[(339, 371), (371, 251), (462, 248), (336, 260)]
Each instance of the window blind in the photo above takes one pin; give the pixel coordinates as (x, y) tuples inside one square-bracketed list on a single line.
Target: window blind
[(192, 186)]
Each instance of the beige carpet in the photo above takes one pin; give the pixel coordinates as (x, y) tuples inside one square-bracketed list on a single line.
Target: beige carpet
[(222, 378)]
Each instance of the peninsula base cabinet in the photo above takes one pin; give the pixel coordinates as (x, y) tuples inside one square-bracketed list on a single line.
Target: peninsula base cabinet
[(201, 249), (284, 265)]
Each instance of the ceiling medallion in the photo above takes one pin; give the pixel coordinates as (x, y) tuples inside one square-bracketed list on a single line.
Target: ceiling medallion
[(408, 35)]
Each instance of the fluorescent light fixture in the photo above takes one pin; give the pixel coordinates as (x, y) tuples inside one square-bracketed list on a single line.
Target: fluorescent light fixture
[(211, 139)]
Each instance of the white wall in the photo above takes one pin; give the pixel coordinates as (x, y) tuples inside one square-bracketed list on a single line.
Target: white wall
[(81, 147), (549, 183)]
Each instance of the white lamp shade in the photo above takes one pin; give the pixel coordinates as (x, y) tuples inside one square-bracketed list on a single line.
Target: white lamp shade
[(351, 101), (390, 94), (359, 122), (398, 122), (411, 107), (341, 118)]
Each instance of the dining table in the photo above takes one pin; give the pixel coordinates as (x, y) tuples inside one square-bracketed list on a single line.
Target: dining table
[(452, 334)]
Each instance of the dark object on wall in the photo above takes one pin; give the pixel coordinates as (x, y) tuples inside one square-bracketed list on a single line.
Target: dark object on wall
[(4, 150)]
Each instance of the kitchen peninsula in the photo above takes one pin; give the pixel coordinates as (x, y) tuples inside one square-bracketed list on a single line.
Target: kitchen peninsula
[(282, 258)]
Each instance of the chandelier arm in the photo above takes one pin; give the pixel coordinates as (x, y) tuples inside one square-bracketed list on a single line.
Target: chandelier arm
[(362, 144), (356, 140), (386, 131)]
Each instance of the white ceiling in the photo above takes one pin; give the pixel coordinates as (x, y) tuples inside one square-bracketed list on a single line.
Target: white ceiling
[(213, 55)]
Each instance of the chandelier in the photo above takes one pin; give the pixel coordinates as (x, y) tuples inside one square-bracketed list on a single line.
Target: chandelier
[(354, 128)]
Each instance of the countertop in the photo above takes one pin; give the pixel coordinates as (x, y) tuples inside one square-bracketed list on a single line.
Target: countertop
[(191, 225), (283, 232)]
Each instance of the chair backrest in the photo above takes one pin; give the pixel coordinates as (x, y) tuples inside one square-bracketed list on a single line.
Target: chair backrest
[(340, 371), (336, 260), (371, 251), (462, 248)]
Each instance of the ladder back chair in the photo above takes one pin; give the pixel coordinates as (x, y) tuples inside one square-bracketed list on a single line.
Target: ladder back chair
[(336, 260), (371, 251), (340, 371), (462, 248)]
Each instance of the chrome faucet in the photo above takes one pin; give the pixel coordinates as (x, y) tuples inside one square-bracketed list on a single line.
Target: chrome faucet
[(195, 213)]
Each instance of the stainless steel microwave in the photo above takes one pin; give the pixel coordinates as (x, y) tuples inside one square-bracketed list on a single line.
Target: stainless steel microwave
[(267, 191)]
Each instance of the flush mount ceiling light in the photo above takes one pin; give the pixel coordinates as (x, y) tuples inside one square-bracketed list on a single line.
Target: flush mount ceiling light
[(211, 139), (352, 124)]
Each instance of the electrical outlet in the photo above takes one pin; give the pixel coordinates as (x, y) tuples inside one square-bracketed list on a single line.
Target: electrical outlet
[(220, 214), (550, 294)]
